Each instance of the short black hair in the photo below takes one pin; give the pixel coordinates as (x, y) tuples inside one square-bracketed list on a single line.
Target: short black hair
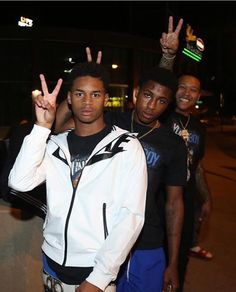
[(89, 69), (193, 74), (162, 76)]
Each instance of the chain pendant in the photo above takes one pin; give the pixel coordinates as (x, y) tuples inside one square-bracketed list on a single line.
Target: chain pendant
[(185, 135)]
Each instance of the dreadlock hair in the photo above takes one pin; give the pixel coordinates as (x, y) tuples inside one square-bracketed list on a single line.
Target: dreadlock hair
[(89, 69), (162, 76)]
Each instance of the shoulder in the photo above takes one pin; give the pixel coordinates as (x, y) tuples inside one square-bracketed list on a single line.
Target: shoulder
[(171, 139), (200, 127)]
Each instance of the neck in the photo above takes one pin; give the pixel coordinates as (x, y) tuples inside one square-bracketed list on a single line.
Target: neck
[(184, 113), (84, 129), (137, 120)]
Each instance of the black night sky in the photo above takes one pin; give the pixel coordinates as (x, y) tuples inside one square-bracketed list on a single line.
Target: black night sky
[(213, 21)]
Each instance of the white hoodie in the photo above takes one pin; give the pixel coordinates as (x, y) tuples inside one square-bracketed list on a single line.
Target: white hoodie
[(111, 194)]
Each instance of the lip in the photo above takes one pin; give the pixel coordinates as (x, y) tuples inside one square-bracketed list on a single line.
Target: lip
[(184, 100), (148, 116), (86, 112)]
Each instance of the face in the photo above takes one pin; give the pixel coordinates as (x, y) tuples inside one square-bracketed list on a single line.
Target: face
[(188, 93), (87, 98), (152, 100)]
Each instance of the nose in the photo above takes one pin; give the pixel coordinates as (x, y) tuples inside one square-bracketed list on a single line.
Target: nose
[(152, 103), (187, 91), (87, 99)]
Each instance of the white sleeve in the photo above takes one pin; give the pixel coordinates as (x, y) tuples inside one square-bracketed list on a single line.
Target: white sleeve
[(129, 219), (28, 169)]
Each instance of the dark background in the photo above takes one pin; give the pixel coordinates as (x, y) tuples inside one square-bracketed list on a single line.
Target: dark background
[(213, 21)]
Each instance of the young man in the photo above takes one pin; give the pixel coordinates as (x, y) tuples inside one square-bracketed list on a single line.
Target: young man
[(166, 160), (192, 131), (96, 185)]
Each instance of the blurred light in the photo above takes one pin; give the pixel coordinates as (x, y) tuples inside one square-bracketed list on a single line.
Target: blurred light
[(67, 71), (200, 44), (196, 106), (114, 66), (71, 60), (25, 22), (192, 55)]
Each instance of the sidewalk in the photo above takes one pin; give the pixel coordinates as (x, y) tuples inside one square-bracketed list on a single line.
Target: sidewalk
[(219, 236)]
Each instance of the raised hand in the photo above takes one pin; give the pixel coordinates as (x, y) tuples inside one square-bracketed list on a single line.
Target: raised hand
[(45, 105), (89, 56), (170, 41)]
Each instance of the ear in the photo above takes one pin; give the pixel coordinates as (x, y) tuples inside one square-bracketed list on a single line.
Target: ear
[(106, 99), (69, 97), (136, 91)]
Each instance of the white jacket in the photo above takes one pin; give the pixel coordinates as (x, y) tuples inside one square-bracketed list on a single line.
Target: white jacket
[(111, 191)]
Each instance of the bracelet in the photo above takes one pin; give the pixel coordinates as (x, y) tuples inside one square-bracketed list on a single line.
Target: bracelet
[(168, 58)]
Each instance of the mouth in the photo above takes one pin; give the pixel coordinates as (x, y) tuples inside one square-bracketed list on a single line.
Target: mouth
[(86, 112), (148, 116), (184, 99)]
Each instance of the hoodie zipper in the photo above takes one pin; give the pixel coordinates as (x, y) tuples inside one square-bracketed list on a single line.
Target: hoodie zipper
[(72, 203), (104, 220)]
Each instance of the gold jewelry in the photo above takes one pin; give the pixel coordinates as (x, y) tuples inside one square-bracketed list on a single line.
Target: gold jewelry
[(184, 131), (157, 125)]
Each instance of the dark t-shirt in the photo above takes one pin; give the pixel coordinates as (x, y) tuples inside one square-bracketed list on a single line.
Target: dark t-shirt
[(195, 143), (166, 160), (195, 146)]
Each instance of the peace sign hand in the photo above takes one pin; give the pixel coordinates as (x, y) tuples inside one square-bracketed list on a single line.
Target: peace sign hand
[(170, 41), (89, 56), (45, 105)]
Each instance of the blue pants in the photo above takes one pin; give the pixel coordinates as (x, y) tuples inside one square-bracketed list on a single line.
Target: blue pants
[(144, 271)]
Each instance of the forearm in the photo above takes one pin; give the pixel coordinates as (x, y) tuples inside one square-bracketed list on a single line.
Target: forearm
[(174, 222), (28, 169), (202, 184), (63, 117)]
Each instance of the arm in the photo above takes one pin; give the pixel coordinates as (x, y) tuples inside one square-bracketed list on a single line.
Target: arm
[(28, 169), (128, 219), (174, 221), (170, 44), (204, 192), (64, 119)]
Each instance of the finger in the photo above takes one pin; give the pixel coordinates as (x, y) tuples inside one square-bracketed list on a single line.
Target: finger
[(57, 88), (163, 39), (179, 26), (43, 84), (99, 57), (88, 53), (170, 24)]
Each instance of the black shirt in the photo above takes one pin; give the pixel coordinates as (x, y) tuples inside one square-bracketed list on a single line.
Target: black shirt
[(166, 160)]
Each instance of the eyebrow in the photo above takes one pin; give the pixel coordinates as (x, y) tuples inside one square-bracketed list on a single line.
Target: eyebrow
[(93, 91)]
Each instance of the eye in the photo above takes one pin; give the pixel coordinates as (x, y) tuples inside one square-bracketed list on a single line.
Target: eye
[(163, 101), (181, 86), (96, 95), (194, 90), (147, 95), (78, 94)]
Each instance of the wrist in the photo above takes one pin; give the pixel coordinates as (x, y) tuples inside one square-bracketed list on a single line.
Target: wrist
[(44, 125), (168, 56)]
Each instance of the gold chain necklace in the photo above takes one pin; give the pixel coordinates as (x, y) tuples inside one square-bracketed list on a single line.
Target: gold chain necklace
[(157, 125), (184, 131)]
